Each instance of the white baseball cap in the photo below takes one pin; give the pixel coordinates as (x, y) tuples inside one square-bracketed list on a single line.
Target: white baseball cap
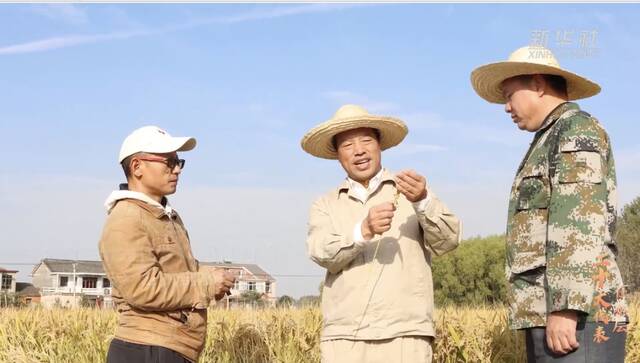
[(152, 139)]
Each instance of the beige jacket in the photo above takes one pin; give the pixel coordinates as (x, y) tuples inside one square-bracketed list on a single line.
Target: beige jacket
[(391, 296), (160, 292)]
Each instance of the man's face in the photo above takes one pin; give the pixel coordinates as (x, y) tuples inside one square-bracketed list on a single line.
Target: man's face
[(522, 103), (157, 173), (359, 153)]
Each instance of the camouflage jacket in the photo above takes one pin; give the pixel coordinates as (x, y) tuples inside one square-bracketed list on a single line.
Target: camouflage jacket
[(562, 213)]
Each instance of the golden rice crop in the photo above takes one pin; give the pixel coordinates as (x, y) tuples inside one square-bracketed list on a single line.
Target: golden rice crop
[(270, 335)]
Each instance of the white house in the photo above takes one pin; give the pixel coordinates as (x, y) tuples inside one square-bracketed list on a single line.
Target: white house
[(249, 277), (7, 280), (67, 282)]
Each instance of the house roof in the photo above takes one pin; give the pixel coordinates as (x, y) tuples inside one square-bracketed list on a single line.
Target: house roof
[(8, 271), (66, 266), (26, 289), (255, 270)]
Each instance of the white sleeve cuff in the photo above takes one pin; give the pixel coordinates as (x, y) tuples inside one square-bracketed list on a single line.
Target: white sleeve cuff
[(358, 240), (421, 206)]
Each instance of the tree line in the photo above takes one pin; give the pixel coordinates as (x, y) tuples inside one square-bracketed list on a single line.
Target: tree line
[(474, 273)]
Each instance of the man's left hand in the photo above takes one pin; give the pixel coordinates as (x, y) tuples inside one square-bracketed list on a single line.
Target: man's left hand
[(412, 185)]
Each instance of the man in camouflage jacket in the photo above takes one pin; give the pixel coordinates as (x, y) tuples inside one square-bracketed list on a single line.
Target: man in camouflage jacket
[(566, 290)]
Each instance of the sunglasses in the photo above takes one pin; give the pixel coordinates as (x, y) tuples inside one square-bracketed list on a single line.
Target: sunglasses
[(171, 163)]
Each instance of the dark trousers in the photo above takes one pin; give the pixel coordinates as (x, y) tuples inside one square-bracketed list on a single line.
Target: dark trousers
[(594, 345), (125, 352)]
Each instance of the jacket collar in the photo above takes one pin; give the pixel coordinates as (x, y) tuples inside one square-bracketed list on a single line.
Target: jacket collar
[(158, 210), (345, 186), (153, 210), (555, 115)]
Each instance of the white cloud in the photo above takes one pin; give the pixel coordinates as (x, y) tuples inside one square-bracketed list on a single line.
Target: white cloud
[(76, 40), (281, 12), (67, 13), (422, 120), (627, 159), (412, 149), (66, 41), (342, 97)]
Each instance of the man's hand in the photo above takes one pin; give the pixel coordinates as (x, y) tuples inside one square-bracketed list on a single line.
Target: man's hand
[(412, 185), (561, 331), (224, 282), (378, 220)]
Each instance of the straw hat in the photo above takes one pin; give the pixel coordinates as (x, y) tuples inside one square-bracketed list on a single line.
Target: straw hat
[(487, 79), (319, 141)]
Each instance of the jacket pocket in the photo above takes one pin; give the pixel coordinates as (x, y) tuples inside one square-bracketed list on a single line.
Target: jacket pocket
[(197, 319), (528, 230), (177, 317), (530, 276), (533, 193), (579, 162)]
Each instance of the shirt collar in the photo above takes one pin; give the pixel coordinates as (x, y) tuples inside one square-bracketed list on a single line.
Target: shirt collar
[(358, 190), (373, 183)]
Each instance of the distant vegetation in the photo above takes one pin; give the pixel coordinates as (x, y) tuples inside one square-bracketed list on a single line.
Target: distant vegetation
[(472, 274)]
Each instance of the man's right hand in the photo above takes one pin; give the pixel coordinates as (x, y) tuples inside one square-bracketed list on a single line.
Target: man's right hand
[(378, 220), (561, 331), (224, 282)]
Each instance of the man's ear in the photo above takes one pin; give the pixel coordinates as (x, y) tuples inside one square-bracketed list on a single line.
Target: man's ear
[(136, 168), (539, 85)]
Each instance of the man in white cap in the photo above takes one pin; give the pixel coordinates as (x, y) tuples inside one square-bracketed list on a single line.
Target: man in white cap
[(566, 288), (375, 234), (160, 290)]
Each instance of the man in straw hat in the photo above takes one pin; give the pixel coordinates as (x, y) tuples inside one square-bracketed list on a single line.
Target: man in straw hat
[(375, 234), (566, 289), (160, 290)]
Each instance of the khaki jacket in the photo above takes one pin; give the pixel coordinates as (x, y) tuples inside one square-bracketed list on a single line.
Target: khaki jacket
[(391, 296), (160, 292)]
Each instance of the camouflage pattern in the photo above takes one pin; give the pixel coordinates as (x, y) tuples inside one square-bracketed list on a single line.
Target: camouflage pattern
[(562, 213)]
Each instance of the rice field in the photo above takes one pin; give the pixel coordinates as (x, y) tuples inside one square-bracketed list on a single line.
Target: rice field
[(272, 335)]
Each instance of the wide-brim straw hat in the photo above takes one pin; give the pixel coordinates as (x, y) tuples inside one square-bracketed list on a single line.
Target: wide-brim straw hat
[(319, 141), (487, 79)]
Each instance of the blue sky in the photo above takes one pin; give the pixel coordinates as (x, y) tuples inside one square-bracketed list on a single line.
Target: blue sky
[(248, 80)]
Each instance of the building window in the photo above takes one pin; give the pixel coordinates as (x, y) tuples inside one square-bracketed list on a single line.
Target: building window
[(89, 282), (6, 282), (236, 285), (251, 286), (106, 282), (267, 287), (64, 281)]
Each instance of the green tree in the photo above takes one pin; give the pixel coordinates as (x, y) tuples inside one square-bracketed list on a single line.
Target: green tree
[(472, 274), (252, 298), (628, 240), (85, 302), (8, 299), (309, 301), (285, 301)]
